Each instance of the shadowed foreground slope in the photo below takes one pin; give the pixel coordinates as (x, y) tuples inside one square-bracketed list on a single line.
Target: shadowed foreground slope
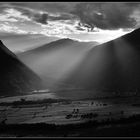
[(15, 77)]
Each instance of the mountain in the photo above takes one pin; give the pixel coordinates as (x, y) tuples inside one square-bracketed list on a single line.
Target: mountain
[(57, 45), (112, 66), (21, 42), (15, 77), (102, 70), (55, 60)]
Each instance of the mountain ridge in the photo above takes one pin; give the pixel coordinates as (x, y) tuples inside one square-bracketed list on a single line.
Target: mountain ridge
[(120, 57), (111, 66), (16, 77), (64, 41)]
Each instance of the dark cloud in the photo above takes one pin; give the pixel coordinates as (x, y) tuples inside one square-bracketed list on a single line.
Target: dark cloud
[(31, 10), (102, 15), (62, 16), (106, 15), (53, 7), (32, 14), (41, 18)]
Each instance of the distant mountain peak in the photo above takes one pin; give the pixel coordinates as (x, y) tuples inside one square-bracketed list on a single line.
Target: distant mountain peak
[(66, 40)]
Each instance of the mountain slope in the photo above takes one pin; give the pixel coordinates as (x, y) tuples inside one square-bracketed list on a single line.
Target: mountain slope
[(56, 45), (112, 66), (21, 42), (15, 77), (54, 60)]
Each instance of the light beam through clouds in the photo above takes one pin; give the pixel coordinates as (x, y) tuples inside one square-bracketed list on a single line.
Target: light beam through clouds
[(85, 22)]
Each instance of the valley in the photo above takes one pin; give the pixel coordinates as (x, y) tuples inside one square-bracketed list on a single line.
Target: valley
[(63, 112)]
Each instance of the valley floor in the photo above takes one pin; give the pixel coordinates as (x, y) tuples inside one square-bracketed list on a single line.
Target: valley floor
[(67, 113)]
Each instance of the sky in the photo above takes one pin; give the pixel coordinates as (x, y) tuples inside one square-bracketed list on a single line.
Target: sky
[(83, 21)]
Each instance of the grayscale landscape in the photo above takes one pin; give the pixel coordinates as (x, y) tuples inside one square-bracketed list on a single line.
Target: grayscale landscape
[(69, 69)]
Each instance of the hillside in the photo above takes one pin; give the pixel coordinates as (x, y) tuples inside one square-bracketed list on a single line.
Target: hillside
[(55, 60), (110, 67), (15, 77)]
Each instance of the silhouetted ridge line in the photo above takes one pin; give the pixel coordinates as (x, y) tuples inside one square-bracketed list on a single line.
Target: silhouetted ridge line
[(15, 77), (4, 49)]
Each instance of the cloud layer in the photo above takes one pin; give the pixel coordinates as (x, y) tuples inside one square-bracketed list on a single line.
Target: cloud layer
[(100, 15), (107, 15), (74, 19)]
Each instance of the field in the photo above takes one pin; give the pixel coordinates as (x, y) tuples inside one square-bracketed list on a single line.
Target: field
[(65, 112)]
